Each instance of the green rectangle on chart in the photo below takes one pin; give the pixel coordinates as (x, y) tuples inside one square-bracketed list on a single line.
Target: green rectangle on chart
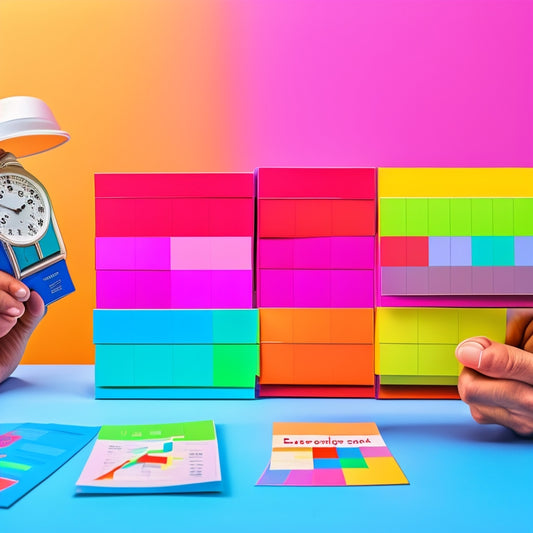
[(235, 365), (416, 217), (482, 224), (392, 217), (523, 216), (439, 217), (11, 465), (503, 217), (460, 217), (353, 462), (202, 430)]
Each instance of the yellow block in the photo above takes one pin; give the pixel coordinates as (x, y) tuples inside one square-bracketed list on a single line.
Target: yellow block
[(380, 471)]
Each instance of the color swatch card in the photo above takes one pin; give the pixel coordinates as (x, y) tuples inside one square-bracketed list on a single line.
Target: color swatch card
[(32, 452), (330, 454), (180, 457)]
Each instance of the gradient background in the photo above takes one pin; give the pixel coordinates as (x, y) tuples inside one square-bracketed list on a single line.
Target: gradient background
[(229, 85)]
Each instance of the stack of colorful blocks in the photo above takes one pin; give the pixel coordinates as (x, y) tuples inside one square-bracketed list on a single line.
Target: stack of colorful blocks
[(175, 251), (455, 250), (315, 281)]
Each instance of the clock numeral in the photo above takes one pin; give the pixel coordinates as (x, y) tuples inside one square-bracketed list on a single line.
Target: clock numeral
[(20, 193)]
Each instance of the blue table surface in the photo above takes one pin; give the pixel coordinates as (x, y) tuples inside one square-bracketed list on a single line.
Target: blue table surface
[(463, 476)]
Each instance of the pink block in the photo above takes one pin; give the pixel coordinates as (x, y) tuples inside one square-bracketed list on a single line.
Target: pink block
[(299, 478), (152, 289), (232, 289), (152, 253), (352, 252), (314, 252), (190, 253), (275, 288), (332, 477), (375, 451), (114, 253), (312, 288), (275, 253), (352, 288), (115, 289)]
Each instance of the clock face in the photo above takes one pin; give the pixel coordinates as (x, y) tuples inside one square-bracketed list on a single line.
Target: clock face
[(24, 209)]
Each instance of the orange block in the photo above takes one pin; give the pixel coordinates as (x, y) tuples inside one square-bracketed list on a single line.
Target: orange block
[(324, 326), (317, 364)]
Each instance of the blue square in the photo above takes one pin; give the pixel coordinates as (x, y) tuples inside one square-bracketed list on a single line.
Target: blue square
[(439, 251), (461, 251), (523, 251), (326, 463)]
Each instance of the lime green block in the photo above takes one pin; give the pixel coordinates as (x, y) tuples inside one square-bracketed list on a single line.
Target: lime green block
[(438, 326), (437, 360), (153, 365), (523, 216), (439, 217), (489, 323), (418, 380), (503, 217), (353, 462), (392, 217), (235, 366), (398, 359), (460, 217), (397, 325), (12, 465), (482, 217), (114, 365), (416, 210)]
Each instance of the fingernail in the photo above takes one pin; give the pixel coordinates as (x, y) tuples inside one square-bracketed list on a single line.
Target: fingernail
[(13, 311), (20, 293), (469, 353)]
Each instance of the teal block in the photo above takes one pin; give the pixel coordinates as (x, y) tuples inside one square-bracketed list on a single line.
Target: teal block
[(174, 393), (482, 251), (153, 365), (193, 365), (26, 256), (114, 366), (235, 326), (503, 251), (49, 244)]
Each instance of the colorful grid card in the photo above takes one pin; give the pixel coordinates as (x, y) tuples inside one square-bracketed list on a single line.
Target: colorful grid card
[(330, 454), (32, 452)]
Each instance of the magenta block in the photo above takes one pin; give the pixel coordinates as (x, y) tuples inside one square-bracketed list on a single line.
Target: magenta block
[(352, 288), (115, 253), (275, 288), (152, 253), (152, 289), (375, 451), (328, 477), (314, 252), (115, 289), (299, 478), (312, 288), (275, 253), (232, 289)]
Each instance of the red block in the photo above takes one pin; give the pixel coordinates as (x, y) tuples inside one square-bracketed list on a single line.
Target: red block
[(317, 183), (316, 391), (393, 251), (159, 185), (417, 251)]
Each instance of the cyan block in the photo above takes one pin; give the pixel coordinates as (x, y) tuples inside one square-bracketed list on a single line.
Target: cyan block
[(193, 365), (153, 365), (482, 251), (49, 244), (235, 326), (174, 393), (114, 366), (503, 251)]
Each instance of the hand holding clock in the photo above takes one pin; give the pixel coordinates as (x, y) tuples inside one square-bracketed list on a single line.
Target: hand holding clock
[(20, 312)]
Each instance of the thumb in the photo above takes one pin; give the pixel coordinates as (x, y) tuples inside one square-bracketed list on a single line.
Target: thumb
[(34, 312), (496, 360)]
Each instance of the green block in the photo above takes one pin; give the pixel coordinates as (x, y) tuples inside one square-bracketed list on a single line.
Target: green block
[(460, 217), (235, 326), (418, 380), (398, 359), (482, 251), (392, 217), (353, 462), (437, 360), (482, 224), (503, 251), (192, 365), (523, 216), (491, 323), (416, 217), (439, 217), (235, 365), (438, 326), (114, 365), (397, 325), (503, 217), (153, 365)]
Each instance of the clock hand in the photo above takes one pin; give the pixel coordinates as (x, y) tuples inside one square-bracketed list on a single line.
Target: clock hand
[(16, 211)]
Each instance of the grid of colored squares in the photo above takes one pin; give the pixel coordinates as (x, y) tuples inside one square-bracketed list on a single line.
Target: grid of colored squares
[(317, 352), (176, 353), (416, 346)]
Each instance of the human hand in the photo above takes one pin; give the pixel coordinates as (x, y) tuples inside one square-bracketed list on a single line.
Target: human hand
[(20, 312), (497, 381)]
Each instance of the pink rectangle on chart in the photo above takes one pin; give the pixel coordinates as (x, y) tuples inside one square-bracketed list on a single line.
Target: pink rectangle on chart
[(115, 289), (132, 253), (152, 253), (375, 451), (152, 289), (312, 288), (299, 478), (205, 289), (332, 477), (275, 253), (275, 288), (352, 288), (211, 253)]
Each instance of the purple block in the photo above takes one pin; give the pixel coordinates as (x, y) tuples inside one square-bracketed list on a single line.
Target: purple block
[(356, 253), (191, 289), (503, 278), (523, 251), (417, 281), (115, 253), (482, 280), (273, 477), (461, 251), (115, 289), (523, 280), (232, 289), (393, 280), (152, 289), (312, 288), (439, 280), (461, 280), (152, 253), (275, 288), (352, 288)]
